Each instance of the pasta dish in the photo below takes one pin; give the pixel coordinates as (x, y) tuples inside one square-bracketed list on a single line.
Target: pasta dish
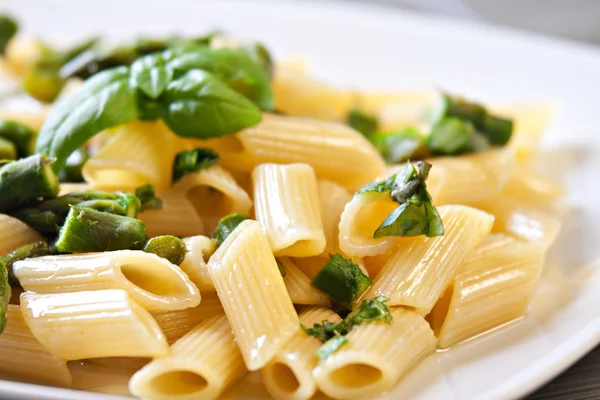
[(182, 215)]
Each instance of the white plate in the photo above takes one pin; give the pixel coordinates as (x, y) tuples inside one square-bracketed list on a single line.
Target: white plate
[(384, 48)]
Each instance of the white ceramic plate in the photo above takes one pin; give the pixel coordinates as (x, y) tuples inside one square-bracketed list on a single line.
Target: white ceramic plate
[(384, 48)]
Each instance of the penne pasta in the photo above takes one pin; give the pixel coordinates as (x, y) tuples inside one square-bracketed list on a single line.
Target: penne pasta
[(248, 282), (287, 206), (199, 249), (399, 109), (289, 375), (522, 222), (137, 154), (176, 217), (532, 189), (22, 356), (494, 286), (335, 151), (332, 200), (299, 95), (101, 323), (175, 324), (375, 357), (109, 379), (310, 265), (299, 286), (202, 364), (359, 220), (150, 280), (14, 234), (66, 188), (470, 178), (214, 194), (422, 268)]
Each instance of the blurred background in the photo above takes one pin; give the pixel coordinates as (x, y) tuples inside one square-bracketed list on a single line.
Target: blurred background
[(573, 19)]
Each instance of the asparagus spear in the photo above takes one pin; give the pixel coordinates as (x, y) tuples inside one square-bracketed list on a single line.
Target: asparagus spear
[(8, 150), (4, 295), (20, 135), (170, 247), (86, 230), (8, 29), (26, 180), (37, 249)]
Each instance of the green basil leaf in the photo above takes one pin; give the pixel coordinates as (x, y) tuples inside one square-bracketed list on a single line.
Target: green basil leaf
[(105, 100), (151, 74), (235, 67), (261, 55), (8, 29), (199, 105), (331, 346), (187, 161)]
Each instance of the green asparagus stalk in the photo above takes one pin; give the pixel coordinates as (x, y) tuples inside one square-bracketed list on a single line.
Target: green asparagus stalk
[(72, 170), (8, 150), (20, 135), (8, 29), (37, 249), (147, 196), (5, 293), (170, 247), (87, 230), (46, 222), (25, 181)]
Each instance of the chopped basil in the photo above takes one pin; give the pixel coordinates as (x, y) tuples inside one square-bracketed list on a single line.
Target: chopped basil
[(187, 161), (362, 122), (342, 280), (333, 335), (227, 225)]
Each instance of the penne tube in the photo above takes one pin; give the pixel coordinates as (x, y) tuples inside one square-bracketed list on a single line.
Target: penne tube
[(289, 375), (299, 286), (422, 268), (359, 220), (177, 216), (23, 357), (335, 151), (494, 286), (299, 95), (214, 194), (14, 234), (470, 178), (375, 357), (199, 249), (532, 189), (332, 200), (248, 282), (202, 364), (399, 109), (123, 363), (101, 323), (106, 378), (175, 324), (522, 222), (138, 153), (150, 280), (66, 188), (287, 206), (311, 265), (531, 122)]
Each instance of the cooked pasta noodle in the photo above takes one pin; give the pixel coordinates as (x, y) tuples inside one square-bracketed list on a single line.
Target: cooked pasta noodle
[(299, 286), (287, 206), (150, 280), (22, 356), (101, 323), (14, 233), (199, 249), (421, 268), (248, 282), (176, 217), (332, 199)]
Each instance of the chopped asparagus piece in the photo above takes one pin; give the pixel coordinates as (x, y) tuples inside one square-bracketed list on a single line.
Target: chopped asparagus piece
[(170, 247)]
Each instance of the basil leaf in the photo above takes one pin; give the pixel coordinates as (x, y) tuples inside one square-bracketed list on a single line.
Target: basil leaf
[(187, 161), (261, 55), (227, 225), (331, 346), (198, 105), (458, 107), (151, 74), (235, 67), (8, 29), (105, 100), (342, 280), (362, 122)]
